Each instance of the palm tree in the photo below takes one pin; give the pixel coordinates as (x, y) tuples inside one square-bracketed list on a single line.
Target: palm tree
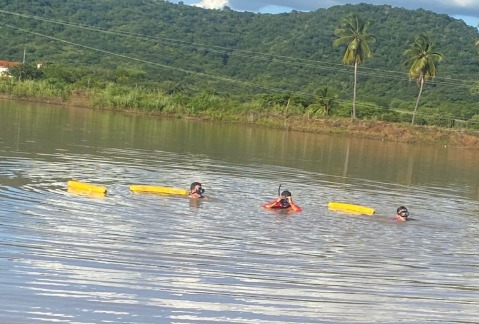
[(421, 62), (326, 100), (354, 32)]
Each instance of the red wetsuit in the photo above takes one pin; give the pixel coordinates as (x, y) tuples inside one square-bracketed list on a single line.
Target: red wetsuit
[(278, 205)]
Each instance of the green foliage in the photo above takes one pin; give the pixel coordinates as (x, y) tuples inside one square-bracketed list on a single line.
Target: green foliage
[(369, 111), (26, 71), (325, 101), (441, 120), (354, 32), (204, 101), (31, 88), (421, 61), (475, 88), (390, 116), (343, 110), (183, 59), (122, 97)]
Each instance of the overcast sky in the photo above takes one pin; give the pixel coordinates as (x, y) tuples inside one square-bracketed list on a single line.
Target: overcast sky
[(467, 10)]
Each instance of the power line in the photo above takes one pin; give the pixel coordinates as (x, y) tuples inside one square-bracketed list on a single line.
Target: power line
[(141, 60), (178, 69), (325, 66), (255, 55)]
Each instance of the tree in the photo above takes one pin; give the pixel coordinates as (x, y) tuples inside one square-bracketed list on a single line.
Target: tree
[(354, 31), (422, 64), (25, 71), (477, 44), (326, 100)]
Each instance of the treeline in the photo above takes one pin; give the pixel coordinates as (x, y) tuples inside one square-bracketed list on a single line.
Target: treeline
[(284, 61)]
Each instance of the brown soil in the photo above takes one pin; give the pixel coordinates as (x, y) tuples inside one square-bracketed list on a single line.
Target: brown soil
[(393, 132)]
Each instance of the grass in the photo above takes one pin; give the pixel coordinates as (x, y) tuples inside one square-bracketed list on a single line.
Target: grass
[(207, 106)]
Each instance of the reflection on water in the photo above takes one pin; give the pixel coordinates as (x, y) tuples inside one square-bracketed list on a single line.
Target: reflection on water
[(146, 258)]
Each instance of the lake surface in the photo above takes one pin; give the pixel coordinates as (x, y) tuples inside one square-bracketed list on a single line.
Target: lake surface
[(146, 258)]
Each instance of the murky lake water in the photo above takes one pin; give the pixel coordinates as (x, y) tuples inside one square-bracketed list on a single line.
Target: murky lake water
[(145, 258)]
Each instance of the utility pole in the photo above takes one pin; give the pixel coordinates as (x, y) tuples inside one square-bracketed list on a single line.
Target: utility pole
[(24, 51)]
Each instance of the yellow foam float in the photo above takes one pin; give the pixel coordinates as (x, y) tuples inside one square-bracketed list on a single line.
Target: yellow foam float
[(85, 188), (159, 189), (351, 208)]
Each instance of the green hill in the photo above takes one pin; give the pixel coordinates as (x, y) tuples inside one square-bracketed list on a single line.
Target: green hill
[(157, 43)]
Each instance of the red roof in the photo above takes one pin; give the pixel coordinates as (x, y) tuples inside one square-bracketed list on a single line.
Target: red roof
[(8, 63)]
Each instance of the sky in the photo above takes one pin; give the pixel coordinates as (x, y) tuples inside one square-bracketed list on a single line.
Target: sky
[(467, 10)]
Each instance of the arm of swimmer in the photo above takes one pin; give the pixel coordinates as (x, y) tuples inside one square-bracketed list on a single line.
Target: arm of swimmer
[(295, 207), (270, 204)]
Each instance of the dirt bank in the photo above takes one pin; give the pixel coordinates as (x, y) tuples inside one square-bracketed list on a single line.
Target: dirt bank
[(394, 132)]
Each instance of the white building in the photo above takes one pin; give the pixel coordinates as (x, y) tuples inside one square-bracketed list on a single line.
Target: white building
[(5, 65)]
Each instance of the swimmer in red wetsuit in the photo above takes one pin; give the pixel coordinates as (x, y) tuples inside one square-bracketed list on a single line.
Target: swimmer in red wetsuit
[(284, 201)]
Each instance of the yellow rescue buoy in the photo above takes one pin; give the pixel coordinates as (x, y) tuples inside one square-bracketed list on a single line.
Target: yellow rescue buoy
[(159, 189), (82, 187), (351, 209)]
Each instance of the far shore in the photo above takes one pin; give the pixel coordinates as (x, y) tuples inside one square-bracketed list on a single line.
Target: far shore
[(371, 129)]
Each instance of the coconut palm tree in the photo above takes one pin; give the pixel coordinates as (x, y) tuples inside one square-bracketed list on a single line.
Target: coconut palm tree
[(354, 32), (422, 64)]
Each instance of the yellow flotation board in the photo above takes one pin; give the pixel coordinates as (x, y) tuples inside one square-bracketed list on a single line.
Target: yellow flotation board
[(159, 189), (82, 187), (351, 209)]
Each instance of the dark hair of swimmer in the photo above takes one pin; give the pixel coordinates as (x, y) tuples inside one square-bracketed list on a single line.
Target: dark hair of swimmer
[(402, 211), (194, 184), (199, 191)]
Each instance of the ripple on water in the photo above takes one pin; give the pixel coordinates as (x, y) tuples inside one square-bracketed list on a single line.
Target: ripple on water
[(144, 258)]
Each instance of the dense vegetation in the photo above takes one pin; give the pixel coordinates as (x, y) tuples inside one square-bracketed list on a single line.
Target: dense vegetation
[(163, 56)]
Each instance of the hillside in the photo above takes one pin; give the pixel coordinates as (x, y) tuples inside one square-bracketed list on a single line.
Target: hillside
[(149, 42)]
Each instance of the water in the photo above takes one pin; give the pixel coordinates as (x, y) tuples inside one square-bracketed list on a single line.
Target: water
[(146, 258)]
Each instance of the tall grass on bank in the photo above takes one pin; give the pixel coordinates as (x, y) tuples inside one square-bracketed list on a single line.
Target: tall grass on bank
[(206, 104), (202, 104), (30, 88), (124, 98)]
